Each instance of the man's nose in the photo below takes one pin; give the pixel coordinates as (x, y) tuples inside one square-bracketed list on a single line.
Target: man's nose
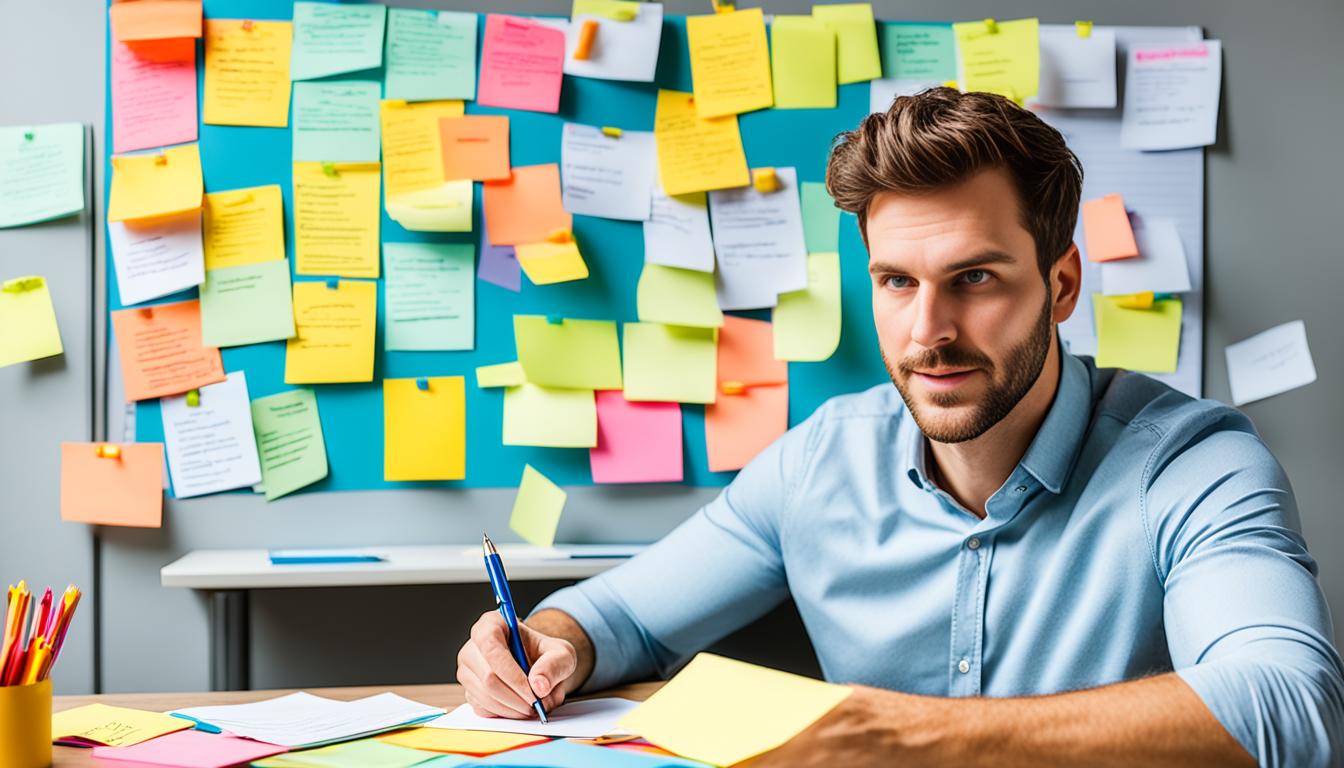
[(933, 324)]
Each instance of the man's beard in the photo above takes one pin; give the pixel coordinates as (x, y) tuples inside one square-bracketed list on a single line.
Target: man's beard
[(1021, 369)]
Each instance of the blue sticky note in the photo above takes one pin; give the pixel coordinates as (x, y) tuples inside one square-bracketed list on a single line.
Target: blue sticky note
[(567, 754), (336, 122), (331, 38)]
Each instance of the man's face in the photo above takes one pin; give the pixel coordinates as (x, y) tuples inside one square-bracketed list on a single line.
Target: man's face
[(964, 318)]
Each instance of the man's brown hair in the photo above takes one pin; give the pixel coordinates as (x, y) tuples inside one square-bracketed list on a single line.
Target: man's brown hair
[(942, 137)]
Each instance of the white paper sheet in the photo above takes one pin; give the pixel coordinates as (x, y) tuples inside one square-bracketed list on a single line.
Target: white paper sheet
[(156, 257), (883, 91), (304, 720), (1161, 265), (759, 243), (1077, 71), (1171, 95), (1270, 362), (606, 176), (211, 446), (576, 719), (677, 232), (622, 50)]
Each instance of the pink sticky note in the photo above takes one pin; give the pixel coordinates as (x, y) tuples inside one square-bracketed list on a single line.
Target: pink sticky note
[(192, 749), (636, 442), (153, 93), (522, 64)]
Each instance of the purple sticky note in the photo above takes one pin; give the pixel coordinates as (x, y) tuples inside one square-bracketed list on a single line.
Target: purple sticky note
[(499, 264), (192, 749)]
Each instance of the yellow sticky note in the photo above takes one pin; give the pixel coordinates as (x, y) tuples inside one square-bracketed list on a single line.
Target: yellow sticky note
[(573, 354), (500, 375), (425, 430), (730, 63), (807, 322), (546, 262), (111, 726), (460, 741), (244, 226), (445, 208), (696, 154), (856, 39), (246, 72), (802, 62), (618, 10), (155, 184), (1003, 58), (537, 508), (669, 363), (412, 147), (1145, 340), (336, 219), (28, 329), (722, 711), (675, 296), (550, 417), (334, 330)]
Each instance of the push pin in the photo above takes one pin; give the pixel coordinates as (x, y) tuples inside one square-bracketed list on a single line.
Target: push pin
[(161, 159), (247, 25), (560, 236), (992, 26), (765, 180), (193, 398), (583, 49), (422, 385), (108, 451), (329, 169), (611, 132), (555, 320), (334, 283), (733, 387), (1084, 29)]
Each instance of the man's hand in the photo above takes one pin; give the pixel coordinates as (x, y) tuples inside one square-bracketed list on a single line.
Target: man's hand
[(496, 685)]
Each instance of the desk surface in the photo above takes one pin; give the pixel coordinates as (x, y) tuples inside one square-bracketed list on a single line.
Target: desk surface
[(444, 695)]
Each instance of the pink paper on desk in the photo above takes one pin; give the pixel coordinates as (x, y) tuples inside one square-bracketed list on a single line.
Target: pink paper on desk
[(636, 442), (192, 749), (153, 94), (522, 64)]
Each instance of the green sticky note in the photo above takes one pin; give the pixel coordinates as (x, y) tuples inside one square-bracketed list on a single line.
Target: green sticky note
[(821, 219), (431, 302), (331, 38), (856, 40), (919, 52), (500, 375), (669, 363), (336, 122), (802, 63), (537, 508), (28, 321), (578, 354), (1145, 340), (430, 55), (549, 417), (41, 172), (675, 296), (247, 304), (807, 322), (289, 441), (365, 753)]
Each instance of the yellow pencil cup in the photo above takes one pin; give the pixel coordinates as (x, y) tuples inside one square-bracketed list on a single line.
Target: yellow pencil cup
[(25, 725)]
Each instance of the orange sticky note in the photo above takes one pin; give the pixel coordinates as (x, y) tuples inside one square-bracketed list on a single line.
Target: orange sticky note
[(739, 426), (1106, 230), (475, 147), (155, 19), (161, 350), (527, 207), (126, 489)]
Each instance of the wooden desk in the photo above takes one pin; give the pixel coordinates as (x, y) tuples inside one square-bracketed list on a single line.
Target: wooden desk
[(443, 695)]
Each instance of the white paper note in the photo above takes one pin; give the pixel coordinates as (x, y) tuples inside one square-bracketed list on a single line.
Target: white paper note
[(607, 176), (1270, 362), (1171, 95), (576, 719), (622, 50), (882, 92), (156, 257), (1161, 265), (759, 244), (677, 232), (210, 445), (304, 720), (1077, 71)]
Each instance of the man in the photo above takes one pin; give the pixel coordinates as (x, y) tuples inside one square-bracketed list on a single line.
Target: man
[(1022, 559)]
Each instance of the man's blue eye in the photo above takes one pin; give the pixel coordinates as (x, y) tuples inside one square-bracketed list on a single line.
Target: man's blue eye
[(976, 276), (898, 281)]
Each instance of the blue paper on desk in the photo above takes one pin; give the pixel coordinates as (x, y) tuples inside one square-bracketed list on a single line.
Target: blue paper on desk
[(567, 754), (323, 556)]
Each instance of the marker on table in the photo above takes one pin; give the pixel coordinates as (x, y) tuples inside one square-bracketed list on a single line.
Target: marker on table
[(494, 568)]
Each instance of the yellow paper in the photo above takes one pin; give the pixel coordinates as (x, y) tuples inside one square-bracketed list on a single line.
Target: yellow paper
[(334, 329), (730, 63), (1145, 340), (336, 219), (244, 226), (573, 354), (537, 508), (676, 296), (445, 208), (807, 322), (456, 740), (856, 40), (695, 154), (412, 148), (619, 10), (113, 726), (802, 62), (155, 184), (722, 711), (1003, 59), (500, 375), (669, 363), (545, 263), (28, 329), (549, 417), (424, 430), (246, 73)]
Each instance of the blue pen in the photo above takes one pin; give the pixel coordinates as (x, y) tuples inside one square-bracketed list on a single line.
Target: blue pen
[(494, 568)]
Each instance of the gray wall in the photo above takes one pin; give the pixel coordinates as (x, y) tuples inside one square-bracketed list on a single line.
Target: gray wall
[(1272, 255)]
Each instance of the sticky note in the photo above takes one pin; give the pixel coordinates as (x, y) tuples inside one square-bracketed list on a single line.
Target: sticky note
[(161, 350), (445, 208), (674, 296), (1003, 59), (336, 121), (1171, 95), (575, 354), (210, 444), (856, 39), (424, 430), (153, 89), (475, 147), (723, 711), (1269, 363), (636, 442), (247, 72), (1077, 72), (456, 740), (739, 426), (412, 158), (431, 302), (364, 753), (430, 55), (244, 226), (41, 172), (527, 207), (696, 154), (549, 417), (336, 219), (802, 63), (730, 63), (499, 265), (155, 19), (669, 363), (537, 508), (247, 304), (607, 176), (289, 441), (677, 232), (191, 748), (821, 219), (156, 257), (334, 333), (807, 322), (628, 38), (1146, 340), (126, 490), (914, 51), (29, 320), (111, 726), (331, 38), (1107, 233), (155, 184), (546, 262), (500, 375), (522, 64), (1161, 265), (759, 242), (574, 753)]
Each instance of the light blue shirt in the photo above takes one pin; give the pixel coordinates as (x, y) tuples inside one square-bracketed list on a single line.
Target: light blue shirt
[(1143, 531)]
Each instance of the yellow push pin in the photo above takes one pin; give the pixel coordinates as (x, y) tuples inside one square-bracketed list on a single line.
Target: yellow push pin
[(611, 131), (193, 398), (1084, 29), (733, 387), (992, 26), (764, 180), (108, 451)]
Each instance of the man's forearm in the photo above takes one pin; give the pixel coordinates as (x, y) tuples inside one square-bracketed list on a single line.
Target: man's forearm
[(557, 623)]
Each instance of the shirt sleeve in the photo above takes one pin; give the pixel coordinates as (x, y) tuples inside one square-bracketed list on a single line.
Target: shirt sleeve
[(1247, 624)]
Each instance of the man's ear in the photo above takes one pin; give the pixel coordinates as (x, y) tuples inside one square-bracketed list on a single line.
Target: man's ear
[(1066, 283)]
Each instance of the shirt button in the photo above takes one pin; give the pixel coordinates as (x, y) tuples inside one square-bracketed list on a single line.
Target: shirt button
[(974, 543), (1021, 489), (963, 666)]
